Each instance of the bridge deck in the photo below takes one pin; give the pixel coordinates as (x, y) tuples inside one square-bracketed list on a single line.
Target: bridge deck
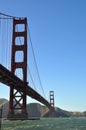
[(6, 77)]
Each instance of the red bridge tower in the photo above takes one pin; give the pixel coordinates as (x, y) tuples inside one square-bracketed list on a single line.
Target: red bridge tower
[(52, 98), (17, 98), (52, 111)]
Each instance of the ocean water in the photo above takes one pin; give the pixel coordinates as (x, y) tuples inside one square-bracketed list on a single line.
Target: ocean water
[(45, 124)]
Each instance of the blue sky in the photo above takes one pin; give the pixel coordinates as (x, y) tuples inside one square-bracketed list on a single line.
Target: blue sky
[(58, 33)]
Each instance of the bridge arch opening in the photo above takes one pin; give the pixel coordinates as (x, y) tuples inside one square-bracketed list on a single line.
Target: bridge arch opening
[(19, 56), (19, 40), (19, 27)]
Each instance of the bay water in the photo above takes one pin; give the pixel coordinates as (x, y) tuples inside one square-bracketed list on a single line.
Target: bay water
[(45, 124)]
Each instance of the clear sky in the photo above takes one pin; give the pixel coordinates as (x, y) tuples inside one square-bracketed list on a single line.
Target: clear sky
[(58, 33)]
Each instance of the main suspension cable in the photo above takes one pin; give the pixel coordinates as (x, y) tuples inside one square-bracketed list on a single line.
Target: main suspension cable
[(35, 60), (9, 16)]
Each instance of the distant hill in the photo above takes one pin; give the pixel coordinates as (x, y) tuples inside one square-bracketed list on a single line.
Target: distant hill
[(4, 103), (38, 110)]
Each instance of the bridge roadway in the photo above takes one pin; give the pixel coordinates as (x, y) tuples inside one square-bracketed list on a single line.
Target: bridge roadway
[(9, 79)]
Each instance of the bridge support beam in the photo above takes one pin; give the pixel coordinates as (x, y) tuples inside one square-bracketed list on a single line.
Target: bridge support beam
[(17, 102)]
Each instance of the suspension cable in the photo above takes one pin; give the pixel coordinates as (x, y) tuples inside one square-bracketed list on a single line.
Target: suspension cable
[(2, 43), (9, 16), (6, 16), (35, 61)]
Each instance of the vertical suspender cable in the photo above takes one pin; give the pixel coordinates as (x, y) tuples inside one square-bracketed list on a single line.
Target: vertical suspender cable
[(2, 32), (7, 44), (0, 37)]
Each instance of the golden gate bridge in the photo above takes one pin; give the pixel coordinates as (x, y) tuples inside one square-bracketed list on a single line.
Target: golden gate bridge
[(14, 55)]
